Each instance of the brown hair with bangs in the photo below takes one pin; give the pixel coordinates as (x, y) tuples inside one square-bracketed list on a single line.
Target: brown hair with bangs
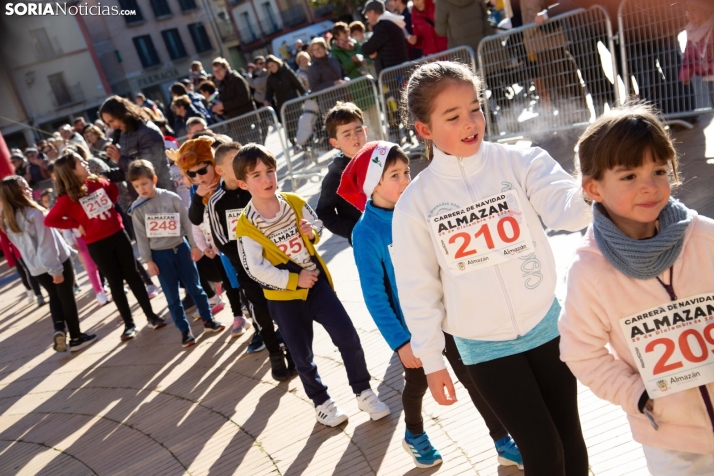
[(343, 113), (395, 154), (623, 137), (425, 84), (247, 158)]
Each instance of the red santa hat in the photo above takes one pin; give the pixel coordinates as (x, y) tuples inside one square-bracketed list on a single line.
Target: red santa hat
[(364, 172), (170, 142)]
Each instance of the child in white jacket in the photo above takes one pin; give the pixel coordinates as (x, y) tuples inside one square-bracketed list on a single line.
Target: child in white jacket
[(637, 322), (472, 260)]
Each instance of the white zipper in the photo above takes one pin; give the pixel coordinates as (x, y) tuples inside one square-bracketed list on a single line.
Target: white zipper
[(511, 312)]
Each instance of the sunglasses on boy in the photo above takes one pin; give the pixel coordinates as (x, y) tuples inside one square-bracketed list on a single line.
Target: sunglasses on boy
[(202, 171)]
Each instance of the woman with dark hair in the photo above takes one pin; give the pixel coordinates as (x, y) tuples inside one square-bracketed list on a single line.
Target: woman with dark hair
[(283, 85), (137, 139)]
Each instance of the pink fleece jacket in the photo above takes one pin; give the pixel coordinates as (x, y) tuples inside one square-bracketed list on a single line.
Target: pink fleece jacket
[(593, 346)]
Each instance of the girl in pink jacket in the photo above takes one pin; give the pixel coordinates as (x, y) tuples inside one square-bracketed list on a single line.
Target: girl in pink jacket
[(637, 326)]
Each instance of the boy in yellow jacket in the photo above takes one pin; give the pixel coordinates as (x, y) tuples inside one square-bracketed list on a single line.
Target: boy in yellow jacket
[(276, 235)]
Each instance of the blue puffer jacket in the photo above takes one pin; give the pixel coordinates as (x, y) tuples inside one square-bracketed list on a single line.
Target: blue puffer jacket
[(371, 239)]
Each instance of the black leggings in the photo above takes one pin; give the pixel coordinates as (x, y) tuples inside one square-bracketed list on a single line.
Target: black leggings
[(416, 386), (115, 259), (63, 307), (535, 396), (27, 279)]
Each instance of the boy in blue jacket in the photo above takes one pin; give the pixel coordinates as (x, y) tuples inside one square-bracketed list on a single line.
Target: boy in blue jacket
[(373, 182)]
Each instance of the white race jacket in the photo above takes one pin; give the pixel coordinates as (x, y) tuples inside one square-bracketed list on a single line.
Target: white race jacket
[(494, 303)]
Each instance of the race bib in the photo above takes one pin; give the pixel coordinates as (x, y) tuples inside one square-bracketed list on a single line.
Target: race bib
[(673, 344), (290, 242), (485, 233), (232, 221), (97, 204), (160, 225)]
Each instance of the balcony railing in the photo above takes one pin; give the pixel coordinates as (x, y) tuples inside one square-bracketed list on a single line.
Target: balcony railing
[(225, 29), (71, 95), (248, 35), (293, 16), (269, 25)]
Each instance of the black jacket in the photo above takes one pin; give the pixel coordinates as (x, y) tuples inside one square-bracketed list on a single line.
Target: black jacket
[(389, 43), (336, 213), (284, 85), (219, 203), (234, 93)]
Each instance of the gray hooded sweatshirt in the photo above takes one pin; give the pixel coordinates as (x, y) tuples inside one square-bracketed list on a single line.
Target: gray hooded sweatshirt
[(43, 249), (164, 202)]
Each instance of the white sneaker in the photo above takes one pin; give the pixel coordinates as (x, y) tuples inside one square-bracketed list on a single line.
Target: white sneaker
[(368, 402), (329, 414), (102, 298), (240, 325), (30, 296)]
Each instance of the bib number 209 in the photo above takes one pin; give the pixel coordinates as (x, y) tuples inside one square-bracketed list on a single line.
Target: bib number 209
[(692, 344), (485, 231)]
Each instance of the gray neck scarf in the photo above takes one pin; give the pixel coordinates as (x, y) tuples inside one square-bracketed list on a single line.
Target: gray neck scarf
[(642, 259)]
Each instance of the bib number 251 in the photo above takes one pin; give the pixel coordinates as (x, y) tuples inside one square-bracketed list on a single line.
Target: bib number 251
[(506, 235)]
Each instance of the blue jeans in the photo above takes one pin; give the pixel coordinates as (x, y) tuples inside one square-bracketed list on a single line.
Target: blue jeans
[(176, 265)]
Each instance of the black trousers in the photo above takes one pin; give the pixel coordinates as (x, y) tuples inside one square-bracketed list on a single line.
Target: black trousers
[(27, 279), (416, 386), (534, 395), (115, 259), (63, 307)]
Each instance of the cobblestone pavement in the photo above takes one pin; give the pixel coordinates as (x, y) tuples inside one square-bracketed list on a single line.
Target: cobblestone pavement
[(149, 407)]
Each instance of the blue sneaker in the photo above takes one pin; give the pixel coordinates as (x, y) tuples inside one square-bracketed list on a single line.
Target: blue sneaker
[(256, 344), (508, 452), (419, 448)]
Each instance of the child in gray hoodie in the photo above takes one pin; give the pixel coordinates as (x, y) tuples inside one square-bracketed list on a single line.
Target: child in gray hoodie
[(161, 226)]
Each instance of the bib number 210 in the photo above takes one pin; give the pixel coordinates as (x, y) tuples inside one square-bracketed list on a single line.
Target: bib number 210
[(507, 236)]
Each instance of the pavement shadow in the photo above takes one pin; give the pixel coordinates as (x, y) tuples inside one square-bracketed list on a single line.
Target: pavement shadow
[(319, 436)]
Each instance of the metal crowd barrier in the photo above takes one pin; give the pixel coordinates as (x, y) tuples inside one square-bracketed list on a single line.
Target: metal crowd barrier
[(255, 127), (548, 77), (392, 82), (661, 65), (303, 122)]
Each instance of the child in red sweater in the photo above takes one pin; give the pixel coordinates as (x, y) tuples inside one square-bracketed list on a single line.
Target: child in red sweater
[(86, 202)]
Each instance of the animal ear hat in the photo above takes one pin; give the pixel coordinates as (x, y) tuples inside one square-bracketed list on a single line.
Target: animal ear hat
[(364, 172), (192, 153)]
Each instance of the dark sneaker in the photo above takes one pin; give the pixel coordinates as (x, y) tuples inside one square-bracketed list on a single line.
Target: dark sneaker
[(187, 339), (155, 322), (129, 333), (278, 369), (59, 342), (213, 326), (256, 344), (84, 340)]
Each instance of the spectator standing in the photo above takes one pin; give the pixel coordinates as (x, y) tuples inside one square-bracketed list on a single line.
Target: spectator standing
[(347, 51), (36, 170), (324, 71), (79, 125), (70, 137), (196, 74), (138, 139), (400, 7), (96, 139), (424, 32), (180, 89), (259, 81), (463, 22), (357, 31), (184, 110), (283, 85), (208, 90), (233, 91), (303, 63), (20, 164), (699, 52), (388, 44)]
